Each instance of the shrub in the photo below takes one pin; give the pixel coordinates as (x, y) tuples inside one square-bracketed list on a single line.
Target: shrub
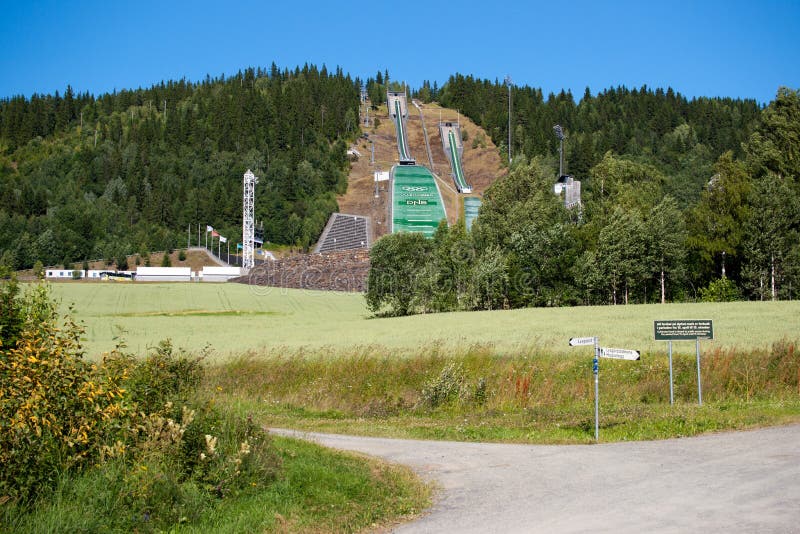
[(140, 422), (162, 377), (12, 317), (720, 290), (55, 410), (445, 387), (165, 261), (38, 270), (182, 255)]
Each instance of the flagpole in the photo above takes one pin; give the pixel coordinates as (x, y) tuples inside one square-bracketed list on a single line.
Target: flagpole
[(206, 237), (198, 234), (227, 244)]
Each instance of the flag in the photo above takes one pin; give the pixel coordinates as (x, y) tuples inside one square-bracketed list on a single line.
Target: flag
[(209, 228), (223, 239), (214, 233)]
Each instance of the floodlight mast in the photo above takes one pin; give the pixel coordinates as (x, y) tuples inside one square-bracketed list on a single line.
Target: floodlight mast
[(248, 220), (560, 134)]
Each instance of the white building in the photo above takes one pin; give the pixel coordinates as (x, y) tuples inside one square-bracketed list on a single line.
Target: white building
[(219, 274), (163, 274)]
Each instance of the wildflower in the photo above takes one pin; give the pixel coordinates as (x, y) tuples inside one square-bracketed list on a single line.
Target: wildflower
[(211, 444)]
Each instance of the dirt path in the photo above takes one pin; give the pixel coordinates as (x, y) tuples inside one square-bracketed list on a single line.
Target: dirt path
[(729, 482)]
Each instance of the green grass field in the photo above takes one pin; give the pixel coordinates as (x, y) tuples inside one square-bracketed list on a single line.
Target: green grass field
[(234, 318)]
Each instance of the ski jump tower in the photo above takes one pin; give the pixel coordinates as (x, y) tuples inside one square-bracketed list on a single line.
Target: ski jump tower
[(248, 220)]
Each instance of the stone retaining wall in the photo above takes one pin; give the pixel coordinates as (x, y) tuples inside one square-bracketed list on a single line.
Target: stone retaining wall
[(331, 271)]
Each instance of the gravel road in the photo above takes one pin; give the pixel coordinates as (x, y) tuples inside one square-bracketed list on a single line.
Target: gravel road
[(728, 482)]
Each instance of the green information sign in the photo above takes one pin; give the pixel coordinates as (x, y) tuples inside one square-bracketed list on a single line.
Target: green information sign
[(683, 330)]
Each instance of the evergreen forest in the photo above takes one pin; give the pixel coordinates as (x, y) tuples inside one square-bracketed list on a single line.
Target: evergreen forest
[(132, 171)]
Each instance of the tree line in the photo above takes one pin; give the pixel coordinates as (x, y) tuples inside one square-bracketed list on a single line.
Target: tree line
[(735, 234), (129, 171)]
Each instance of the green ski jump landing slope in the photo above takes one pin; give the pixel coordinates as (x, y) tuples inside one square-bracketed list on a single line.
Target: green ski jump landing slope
[(416, 201)]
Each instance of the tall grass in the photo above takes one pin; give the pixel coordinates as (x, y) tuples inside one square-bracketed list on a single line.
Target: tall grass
[(478, 393)]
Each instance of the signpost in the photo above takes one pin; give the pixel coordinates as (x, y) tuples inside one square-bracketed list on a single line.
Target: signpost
[(618, 354), (684, 330), (583, 342)]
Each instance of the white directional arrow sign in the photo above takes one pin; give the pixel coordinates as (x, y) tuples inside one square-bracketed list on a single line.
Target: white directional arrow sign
[(619, 354), (580, 341)]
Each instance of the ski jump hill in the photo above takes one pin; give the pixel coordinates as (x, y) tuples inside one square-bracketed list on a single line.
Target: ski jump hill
[(416, 201)]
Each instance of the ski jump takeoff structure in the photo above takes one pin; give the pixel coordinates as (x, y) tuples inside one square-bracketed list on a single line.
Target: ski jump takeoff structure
[(417, 204), (451, 143)]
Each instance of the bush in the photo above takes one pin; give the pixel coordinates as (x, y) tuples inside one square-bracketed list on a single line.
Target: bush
[(162, 377), (56, 410), (38, 270), (445, 387), (140, 422), (182, 255), (12, 317), (720, 290), (165, 261)]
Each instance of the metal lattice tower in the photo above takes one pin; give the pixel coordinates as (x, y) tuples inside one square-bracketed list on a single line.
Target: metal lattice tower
[(248, 220)]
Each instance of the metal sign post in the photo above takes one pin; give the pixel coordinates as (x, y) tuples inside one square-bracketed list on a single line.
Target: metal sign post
[(699, 383), (671, 396), (605, 352), (594, 341), (596, 371), (685, 330)]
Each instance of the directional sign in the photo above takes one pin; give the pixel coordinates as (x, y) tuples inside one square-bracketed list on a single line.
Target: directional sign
[(619, 354), (580, 341)]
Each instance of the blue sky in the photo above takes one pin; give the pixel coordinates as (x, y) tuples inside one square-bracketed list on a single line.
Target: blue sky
[(702, 48)]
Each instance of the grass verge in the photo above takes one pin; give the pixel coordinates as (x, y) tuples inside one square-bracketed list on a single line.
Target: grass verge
[(319, 491), (479, 395)]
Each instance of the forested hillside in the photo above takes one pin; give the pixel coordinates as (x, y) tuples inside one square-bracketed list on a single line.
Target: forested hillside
[(682, 138), (85, 176), (682, 200)]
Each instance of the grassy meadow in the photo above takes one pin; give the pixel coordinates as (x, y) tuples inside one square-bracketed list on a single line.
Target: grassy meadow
[(320, 361), (235, 318)]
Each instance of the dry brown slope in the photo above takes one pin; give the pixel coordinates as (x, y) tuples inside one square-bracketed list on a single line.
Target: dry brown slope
[(481, 162)]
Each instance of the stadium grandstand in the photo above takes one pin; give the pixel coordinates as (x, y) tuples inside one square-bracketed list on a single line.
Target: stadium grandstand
[(344, 232)]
